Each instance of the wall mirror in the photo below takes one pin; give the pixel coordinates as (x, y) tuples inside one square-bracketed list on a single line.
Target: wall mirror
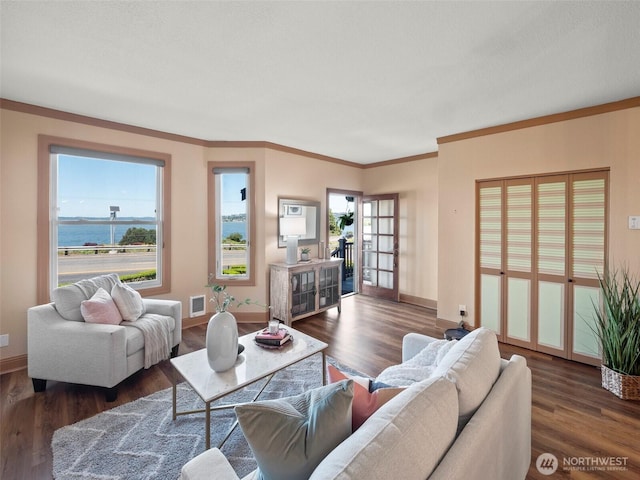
[(291, 210)]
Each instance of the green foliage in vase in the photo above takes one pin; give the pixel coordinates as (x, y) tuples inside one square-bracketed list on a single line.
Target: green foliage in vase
[(223, 299)]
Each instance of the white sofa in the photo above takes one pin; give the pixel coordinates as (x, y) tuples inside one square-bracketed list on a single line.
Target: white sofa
[(458, 423), (63, 347)]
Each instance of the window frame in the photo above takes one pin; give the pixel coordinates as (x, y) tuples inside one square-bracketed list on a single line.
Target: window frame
[(212, 247), (45, 142)]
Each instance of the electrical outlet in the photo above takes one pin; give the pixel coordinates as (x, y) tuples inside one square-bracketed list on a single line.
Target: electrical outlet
[(4, 340), (462, 309)]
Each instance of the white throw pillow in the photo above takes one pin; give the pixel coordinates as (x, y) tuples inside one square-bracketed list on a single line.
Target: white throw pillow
[(100, 309), (128, 301), (473, 365)]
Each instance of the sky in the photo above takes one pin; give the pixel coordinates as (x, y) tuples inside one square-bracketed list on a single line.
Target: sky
[(338, 204), (88, 187), (232, 184)]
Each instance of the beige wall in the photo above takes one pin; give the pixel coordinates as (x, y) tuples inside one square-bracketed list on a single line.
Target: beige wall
[(277, 174), (416, 183), (299, 177), (437, 202), (605, 140)]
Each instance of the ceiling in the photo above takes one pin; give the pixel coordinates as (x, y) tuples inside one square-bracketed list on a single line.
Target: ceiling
[(358, 81)]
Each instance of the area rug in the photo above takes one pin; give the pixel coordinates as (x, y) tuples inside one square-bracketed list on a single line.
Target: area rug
[(139, 440)]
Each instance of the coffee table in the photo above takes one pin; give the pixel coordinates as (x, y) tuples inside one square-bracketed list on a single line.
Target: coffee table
[(254, 364)]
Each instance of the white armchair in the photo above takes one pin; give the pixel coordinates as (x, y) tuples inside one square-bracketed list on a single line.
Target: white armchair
[(63, 347)]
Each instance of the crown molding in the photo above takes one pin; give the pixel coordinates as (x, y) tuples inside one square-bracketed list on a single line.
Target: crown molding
[(553, 118), (544, 120)]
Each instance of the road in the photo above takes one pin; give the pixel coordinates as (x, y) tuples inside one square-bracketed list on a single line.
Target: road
[(72, 268)]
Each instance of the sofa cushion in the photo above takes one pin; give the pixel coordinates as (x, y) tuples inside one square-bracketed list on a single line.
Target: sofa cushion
[(365, 402), (290, 436), (405, 439), (128, 301), (67, 299), (100, 309), (473, 365)]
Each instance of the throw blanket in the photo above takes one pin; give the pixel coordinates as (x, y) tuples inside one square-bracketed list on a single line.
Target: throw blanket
[(417, 368), (156, 330)]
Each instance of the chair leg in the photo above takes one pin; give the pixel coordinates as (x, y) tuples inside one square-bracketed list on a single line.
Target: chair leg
[(174, 351), (39, 384), (111, 394)]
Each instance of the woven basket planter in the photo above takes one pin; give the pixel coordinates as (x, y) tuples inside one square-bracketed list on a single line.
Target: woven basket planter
[(627, 387)]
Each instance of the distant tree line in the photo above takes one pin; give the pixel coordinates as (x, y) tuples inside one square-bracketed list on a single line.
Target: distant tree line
[(139, 236)]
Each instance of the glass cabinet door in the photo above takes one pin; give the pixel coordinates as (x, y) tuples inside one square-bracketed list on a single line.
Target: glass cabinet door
[(329, 286), (303, 293)]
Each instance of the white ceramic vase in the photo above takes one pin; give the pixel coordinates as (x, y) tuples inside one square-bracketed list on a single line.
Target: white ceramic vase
[(222, 341)]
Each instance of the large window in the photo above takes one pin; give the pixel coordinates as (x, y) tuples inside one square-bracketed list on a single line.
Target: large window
[(231, 229), (105, 213)]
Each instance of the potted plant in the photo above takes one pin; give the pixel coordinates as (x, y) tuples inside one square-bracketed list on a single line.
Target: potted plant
[(617, 326), (304, 254), (345, 220)]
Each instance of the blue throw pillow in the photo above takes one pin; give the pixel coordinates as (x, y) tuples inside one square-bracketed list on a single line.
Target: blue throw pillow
[(290, 436)]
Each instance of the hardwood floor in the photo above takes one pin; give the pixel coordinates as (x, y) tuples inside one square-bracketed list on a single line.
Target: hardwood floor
[(573, 417)]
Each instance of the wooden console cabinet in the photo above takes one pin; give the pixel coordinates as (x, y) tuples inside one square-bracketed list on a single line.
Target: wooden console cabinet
[(304, 289)]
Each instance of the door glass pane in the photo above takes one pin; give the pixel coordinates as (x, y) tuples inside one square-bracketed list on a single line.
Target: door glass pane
[(369, 277), (385, 279), (518, 311), (551, 228), (585, 341), (373, 208), (490, 299), (519, 228), (491, 227), (385, 225), (373, 225), (588, 228), (386, 261), (386, 208), (551, 301), (385, 244)]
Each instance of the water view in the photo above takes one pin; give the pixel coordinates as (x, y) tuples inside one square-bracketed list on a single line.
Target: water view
[(78, 235)]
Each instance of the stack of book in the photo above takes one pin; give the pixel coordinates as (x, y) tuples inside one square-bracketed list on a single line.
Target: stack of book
[(273, 340)]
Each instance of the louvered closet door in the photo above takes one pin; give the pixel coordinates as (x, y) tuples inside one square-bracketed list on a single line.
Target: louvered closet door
[(541, 243), (587, 241), (489, 244), (551, 230), (519, 262)]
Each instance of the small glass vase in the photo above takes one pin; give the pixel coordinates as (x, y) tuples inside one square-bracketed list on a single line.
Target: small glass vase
[(222, 341)]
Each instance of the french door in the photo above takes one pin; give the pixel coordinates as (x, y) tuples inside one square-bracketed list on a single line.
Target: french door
[(541, 244), (379, 266)]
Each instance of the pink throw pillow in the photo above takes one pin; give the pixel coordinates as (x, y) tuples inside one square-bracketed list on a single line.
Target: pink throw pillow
[(100, 309), (365, 403)]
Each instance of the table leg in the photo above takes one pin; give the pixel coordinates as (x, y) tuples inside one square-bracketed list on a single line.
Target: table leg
[(173, 398), (207, 427), (324, 368)]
